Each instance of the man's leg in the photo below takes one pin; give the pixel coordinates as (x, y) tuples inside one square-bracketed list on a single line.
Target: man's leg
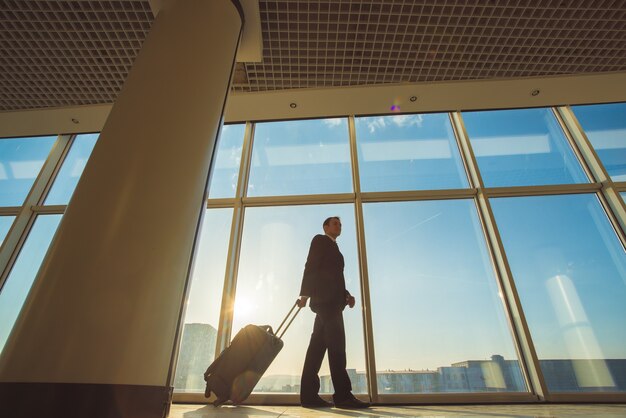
[(310, 382), (335, 337)]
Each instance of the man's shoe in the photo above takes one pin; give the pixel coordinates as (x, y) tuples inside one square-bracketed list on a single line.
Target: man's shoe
[(351, 403), (316, 403)]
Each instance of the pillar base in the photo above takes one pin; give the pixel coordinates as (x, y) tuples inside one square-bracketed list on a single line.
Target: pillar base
[(36, 400)]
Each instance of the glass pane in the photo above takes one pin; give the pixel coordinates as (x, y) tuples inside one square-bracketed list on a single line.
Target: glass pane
[(225, 170), (71, 170), (438, 317), (197, 349), (570, 272), (605, 126), (275, 246), (623, 194), (408, 152), (523, 147), (21, 160), (5, 225), (18, 283), (300, 157)]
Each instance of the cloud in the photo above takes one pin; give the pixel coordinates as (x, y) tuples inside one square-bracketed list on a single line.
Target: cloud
[(375, 123), (401, 121), (407, 120), (333, 122)]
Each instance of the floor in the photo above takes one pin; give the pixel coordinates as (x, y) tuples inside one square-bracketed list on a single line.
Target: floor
[(491, 411)]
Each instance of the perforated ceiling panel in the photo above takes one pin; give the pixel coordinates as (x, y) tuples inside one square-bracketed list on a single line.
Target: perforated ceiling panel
[(63, 53)]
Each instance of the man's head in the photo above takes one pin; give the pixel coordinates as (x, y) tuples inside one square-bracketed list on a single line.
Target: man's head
[(332, 226)]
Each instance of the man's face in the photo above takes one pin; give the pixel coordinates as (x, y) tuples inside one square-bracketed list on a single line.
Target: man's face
[(333, 228)]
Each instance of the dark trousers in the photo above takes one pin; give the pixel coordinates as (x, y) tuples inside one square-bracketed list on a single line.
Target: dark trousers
[(328, 334)]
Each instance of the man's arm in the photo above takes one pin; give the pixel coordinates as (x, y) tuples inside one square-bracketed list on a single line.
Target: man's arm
[(311, 268)]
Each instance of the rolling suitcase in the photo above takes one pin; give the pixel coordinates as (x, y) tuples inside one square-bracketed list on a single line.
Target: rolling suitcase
[(236, 371)]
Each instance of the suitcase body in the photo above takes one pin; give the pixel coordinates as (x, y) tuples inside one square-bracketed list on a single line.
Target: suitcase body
[(237, 370), (234, 374)]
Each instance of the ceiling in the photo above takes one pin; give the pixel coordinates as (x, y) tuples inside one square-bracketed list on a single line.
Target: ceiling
[(66, 53)]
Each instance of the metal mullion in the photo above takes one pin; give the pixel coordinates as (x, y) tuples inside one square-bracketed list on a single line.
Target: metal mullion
[(457, 398), (234, 246), (541, 190), (10, 210), (26, 216), (620, 186), (592, 172), (529, 362), (467, 155), (471, 167), (220, 203), (418, 195), (51, 209), (230, 281), (298, 199), (609, 193), (293, 399), (368, 331), (65, 144), (603, 397)]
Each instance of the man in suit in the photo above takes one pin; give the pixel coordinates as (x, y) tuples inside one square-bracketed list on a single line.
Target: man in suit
[(323, 282)]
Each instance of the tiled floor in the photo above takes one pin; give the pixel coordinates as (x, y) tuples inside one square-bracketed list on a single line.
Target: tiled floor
[(491, 411)]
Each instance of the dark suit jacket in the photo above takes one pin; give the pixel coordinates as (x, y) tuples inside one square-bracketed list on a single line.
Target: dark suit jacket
[(323, 279)]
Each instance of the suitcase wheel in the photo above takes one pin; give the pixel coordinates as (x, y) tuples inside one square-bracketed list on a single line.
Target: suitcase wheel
[(219, 402)]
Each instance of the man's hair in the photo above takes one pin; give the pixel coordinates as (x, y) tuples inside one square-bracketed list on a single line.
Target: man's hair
[(327, 221)]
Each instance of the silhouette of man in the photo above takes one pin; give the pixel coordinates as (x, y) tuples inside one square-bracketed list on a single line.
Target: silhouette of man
[(323, 282)]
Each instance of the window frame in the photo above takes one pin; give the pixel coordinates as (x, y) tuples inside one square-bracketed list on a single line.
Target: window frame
[(600, 183), (522, 339)]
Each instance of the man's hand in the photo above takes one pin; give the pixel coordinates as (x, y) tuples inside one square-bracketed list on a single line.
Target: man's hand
[(350, 301), (301, 302)]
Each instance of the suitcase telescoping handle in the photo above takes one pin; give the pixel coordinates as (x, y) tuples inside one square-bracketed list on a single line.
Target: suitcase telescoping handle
[(280, 327)]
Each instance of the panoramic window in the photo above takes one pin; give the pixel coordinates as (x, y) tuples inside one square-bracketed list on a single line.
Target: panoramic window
[(21, 160), (439, 322), (300, 157), (408, 152), (439, 318), (605, 126), (524, 147), (18, 283), (73, 166), (197, 349), (225, 168), (569, 268), (274, 249)]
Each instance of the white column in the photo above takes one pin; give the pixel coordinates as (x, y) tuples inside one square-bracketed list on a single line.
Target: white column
[(106, 305)]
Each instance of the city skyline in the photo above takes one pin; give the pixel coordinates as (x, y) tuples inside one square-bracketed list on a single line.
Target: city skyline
[(494, 373)]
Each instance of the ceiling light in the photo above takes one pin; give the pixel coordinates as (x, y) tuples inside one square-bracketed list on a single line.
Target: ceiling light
[(535, 92), (293, 105), (413, 98)]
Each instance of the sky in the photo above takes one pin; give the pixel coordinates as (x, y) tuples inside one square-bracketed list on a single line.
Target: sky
[(21, 160), (605, 126)]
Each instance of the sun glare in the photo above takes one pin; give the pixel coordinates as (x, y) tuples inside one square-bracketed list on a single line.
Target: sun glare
[(243, 308)]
